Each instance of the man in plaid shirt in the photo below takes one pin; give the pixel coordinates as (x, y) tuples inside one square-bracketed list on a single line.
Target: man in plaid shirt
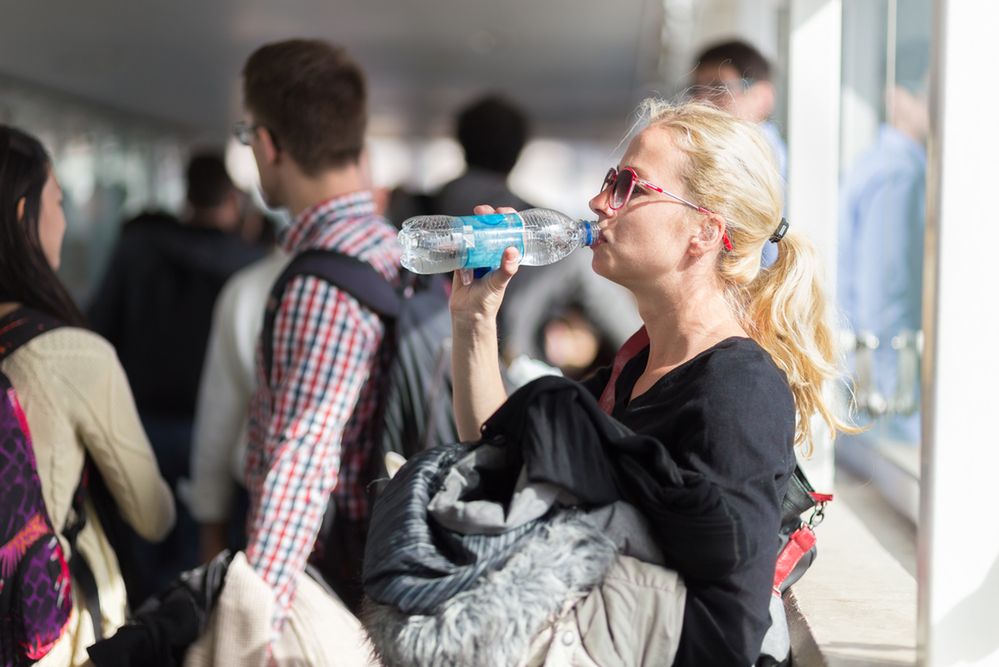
[(311, 427)]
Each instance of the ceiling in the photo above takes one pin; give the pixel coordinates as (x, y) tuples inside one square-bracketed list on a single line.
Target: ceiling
[(578, 66)]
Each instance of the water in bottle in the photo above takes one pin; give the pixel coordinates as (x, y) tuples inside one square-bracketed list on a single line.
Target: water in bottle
[(440, 243)]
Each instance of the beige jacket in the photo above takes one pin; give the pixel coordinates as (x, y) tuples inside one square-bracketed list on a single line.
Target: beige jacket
[(632, 619), (319, 630), (77, 399)]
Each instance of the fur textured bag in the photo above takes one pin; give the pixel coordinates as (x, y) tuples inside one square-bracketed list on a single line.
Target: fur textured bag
[(495, 622)]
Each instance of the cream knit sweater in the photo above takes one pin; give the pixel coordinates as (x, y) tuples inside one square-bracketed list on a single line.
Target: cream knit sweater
[(76, 398)]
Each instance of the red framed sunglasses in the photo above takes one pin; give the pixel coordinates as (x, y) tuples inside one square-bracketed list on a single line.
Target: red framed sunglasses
[(622, 182)]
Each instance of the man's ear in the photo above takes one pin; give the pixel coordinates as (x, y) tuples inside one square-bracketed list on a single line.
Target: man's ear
[(268, 145), (709, 237), (20, 209)]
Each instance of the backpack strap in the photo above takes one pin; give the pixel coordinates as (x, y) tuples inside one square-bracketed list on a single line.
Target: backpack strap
[(20, 326), (17, 329), (79, 568), (349, 274)]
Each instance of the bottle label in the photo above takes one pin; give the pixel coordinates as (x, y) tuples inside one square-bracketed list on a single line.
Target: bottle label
[(487, 236)]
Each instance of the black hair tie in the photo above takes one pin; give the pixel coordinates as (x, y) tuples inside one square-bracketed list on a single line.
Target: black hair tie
[(780, 231)]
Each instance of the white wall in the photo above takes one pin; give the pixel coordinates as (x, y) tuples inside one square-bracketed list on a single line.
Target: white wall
[(958, 539)]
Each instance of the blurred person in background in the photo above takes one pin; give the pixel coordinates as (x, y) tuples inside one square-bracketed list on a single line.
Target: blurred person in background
[(882, 221), (492, 132), (736, 77), (562, 314), (215, 493), (76, 399), (313, 415), (155, 306)]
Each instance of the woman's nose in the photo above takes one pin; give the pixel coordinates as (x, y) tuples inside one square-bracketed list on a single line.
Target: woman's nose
[(600, 204)]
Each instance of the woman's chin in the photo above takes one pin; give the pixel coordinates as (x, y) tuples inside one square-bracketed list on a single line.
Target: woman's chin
[(599, 263)]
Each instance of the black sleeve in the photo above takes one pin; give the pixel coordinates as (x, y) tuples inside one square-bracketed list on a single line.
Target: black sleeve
[(692, 518), (703, 529)]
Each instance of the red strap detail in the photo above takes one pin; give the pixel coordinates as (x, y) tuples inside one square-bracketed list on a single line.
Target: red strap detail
[(821, 497), (632, 346), (797, 546)]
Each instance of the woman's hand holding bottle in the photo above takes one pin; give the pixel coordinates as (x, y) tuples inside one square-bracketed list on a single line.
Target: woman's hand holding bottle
[(477, 302)]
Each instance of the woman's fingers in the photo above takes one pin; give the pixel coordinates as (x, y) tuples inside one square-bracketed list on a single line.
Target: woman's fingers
[(497, 279), (509, 264)]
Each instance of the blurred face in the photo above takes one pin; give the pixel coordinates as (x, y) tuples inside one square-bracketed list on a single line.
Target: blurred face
[(910, 112), (51, 221), (725, 88), (647, 239)]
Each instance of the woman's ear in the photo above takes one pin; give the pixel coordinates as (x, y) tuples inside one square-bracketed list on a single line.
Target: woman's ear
[(710, 235), (20, 209)]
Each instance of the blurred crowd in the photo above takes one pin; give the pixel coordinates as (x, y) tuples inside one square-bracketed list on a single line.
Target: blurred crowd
[(206, 435)]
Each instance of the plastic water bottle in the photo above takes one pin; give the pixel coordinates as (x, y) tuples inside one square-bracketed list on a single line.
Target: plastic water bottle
[(440, 243)]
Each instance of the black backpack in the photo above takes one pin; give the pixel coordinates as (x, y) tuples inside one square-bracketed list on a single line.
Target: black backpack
[(415, 411)]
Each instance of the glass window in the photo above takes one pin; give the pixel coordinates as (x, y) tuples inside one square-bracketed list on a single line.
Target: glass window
[(111, 166), (885, 123)]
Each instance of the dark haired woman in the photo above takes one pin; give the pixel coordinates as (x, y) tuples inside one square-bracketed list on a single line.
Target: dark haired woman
[(73, 390)]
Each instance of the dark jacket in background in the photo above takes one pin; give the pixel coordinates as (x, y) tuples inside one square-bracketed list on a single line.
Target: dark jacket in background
[(155, 305)]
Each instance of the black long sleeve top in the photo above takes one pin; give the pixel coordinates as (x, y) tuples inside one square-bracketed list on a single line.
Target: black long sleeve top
[(726, 422)]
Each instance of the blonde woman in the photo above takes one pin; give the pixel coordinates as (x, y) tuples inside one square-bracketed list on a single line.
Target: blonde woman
[(728, 371)]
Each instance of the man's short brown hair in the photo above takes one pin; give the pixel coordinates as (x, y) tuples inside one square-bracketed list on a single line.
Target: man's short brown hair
[(742, 56), (312, 97)]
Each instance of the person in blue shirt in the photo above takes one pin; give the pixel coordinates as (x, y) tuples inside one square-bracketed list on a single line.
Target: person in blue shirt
[(736, 77), (882, 215)]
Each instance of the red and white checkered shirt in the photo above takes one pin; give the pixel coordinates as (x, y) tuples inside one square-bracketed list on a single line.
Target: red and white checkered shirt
[(310, 426)]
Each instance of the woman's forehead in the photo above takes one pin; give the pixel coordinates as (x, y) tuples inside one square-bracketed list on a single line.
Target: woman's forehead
[(651, 151)]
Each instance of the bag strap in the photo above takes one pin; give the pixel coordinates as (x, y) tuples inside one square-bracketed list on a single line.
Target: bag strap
[(21, 326), (631, 347), (16, 330), (79, 568), (349, 274)]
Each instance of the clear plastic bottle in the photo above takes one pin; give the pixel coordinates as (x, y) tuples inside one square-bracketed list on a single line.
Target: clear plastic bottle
[(440, 243)]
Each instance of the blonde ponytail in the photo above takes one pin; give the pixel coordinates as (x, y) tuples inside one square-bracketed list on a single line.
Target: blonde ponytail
[(786, 312), (730, 170)]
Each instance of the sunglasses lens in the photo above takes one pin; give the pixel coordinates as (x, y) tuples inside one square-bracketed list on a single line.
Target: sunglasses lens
[(609, 179), (622, 188)]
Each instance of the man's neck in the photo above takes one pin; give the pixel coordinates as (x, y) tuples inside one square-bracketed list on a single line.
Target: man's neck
[(306, 191)]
